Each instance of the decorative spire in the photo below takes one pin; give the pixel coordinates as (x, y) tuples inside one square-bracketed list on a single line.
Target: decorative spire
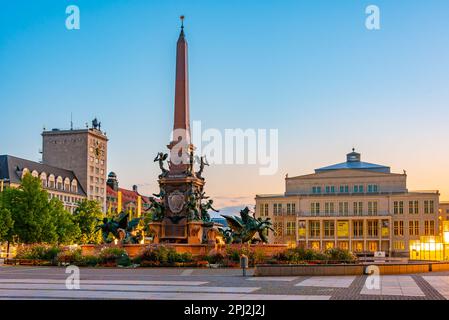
[(181, 35), (181, 125)]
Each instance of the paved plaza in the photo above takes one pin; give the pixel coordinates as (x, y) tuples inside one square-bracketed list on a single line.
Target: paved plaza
[(18, 282)]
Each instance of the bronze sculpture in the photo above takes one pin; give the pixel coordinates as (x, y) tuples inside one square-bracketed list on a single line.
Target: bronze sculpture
[(121, 229), (161, 157), (243, 228)]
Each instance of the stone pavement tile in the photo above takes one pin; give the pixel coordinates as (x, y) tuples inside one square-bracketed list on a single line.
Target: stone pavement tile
[(439, 283), (82, 294), (394, 285), (272, 278), (124, 282), (144, 288), (328, 281)]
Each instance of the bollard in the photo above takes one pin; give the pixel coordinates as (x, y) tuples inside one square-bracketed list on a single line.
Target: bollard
[(244, 263)]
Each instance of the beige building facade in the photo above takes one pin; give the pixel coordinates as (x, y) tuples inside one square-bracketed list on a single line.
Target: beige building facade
[(84, 152), (59, 183), (353, 205)]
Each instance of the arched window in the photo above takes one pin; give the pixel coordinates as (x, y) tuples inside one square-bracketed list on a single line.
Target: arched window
[(43, 178), (24, 172), (59, 183), (74, 186), (51, 181), (35, 173), (67, 184)]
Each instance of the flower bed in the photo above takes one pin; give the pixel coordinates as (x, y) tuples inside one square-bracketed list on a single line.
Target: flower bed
[(166, 256)]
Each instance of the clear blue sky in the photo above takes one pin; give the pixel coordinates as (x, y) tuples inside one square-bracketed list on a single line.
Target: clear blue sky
[(308, 68)]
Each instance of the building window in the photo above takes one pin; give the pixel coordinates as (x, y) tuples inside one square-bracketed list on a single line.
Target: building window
[(399, 245), (358, 208), (372, 208), (290, 208), (344, 189), (329, 228), (291, 228), (278, 229), (314, 229), (398, 207), (357, 227), (413, 228), (330, 189), (413, 207), (373, 226), (372, 188), (316, 190), (265, 206), (277, 209), (315, 207), (398, 228), (358, 189), (429, 206), (329, 208), (343, 208), (429, 227)]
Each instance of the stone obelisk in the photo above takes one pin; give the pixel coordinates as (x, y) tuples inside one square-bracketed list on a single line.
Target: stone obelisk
[(181, 186)]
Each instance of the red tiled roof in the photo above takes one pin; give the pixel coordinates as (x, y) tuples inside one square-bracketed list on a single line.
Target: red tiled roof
[(127, 195)]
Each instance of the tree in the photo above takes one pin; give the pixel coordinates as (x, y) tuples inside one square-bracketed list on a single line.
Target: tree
[(30, 210), (66, 229), (6, 225), (87, 216)]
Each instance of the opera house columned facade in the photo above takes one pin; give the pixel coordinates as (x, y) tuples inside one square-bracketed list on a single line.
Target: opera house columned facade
[(354, 205)]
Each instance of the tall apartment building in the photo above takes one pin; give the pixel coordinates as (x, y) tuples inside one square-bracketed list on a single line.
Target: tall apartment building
[(354, 205), (83, 151)]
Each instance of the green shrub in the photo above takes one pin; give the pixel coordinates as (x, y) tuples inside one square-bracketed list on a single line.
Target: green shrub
[(38, 252), (337, 254), (70, 256), (113, 255), (89, 261), (215, 258), (162, 255)]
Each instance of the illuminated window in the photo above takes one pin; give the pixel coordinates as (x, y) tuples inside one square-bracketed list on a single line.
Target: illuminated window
[(399, 245), (398, 228), (314, 228), (278, 229), (357, 227), (291, 227), (373, 226), (429, 227), (413, 228), (329, 228)]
